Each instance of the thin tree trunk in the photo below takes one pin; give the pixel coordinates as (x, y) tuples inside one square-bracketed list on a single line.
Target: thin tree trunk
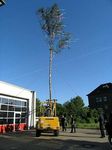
[(50, 74)]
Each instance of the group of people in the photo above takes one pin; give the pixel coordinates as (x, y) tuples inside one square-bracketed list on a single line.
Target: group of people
[(63, 122), (105, 123)]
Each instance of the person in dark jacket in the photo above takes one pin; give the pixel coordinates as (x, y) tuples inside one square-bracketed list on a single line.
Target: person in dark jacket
[(108, 127), (63, 123), (73, 124), (102, 125)]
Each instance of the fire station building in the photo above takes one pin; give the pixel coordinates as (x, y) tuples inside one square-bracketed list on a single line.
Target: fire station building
[(17, 108)]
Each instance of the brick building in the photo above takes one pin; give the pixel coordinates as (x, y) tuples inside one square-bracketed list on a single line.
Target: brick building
[(101, 97)]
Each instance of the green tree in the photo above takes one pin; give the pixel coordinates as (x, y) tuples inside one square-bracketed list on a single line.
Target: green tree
[(51, 21), (75, 107), (37, 107), (92, 115), (60, 109)]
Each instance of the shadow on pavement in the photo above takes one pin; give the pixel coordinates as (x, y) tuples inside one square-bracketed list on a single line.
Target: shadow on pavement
[(27, 141)]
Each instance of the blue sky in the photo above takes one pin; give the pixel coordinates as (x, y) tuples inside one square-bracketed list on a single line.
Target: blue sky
[(24, 53)]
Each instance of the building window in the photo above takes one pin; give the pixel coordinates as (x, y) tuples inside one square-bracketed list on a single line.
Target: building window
[(10, 114), (105, 99), (23, 103), (106, 107), (11, 102), (18, 108), (4, 101), (0, 100), (13, 110), (4, 107), (98, 99)]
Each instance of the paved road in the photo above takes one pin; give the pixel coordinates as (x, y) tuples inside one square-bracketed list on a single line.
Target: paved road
[(82, 140)]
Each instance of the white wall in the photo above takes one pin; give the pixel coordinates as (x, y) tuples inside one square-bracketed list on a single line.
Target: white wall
[(16, 91)]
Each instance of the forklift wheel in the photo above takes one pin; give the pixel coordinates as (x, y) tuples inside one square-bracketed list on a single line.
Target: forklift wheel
[(38, 133), (56, 132)]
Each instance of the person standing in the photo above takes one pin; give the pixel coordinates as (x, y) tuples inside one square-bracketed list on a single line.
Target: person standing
[(73, 124), (65, 126), (63, 123), (102, 125), (108, 127)]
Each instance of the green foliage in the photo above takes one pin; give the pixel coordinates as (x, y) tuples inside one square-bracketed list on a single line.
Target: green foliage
[(88, 125), (38, 107), (60, 109), (84, 116), (74, 107), (51, 21)]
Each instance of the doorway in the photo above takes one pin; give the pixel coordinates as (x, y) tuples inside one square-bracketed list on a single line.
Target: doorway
[(17, 120)]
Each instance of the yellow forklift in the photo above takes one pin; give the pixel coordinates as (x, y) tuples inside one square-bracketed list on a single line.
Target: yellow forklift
[(48, 121)]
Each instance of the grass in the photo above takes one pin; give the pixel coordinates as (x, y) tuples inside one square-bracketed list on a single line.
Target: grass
[(88, 125)]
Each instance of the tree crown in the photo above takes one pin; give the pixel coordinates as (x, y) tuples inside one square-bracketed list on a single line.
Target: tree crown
[(51, 21)]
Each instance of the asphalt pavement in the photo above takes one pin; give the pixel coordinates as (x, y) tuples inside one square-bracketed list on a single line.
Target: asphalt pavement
[(83, 139)]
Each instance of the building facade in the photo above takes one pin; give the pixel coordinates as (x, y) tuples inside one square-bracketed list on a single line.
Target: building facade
[(101, 97), (17, 108)]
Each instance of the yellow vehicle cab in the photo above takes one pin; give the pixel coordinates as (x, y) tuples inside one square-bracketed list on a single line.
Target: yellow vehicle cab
[(49, 122)]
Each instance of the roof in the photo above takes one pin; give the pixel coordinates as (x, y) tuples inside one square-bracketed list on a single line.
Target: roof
[(10, 84), (9, 89), (103, 87)]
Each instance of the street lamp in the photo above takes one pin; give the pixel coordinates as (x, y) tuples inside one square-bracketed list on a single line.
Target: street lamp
[(2, 2)]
